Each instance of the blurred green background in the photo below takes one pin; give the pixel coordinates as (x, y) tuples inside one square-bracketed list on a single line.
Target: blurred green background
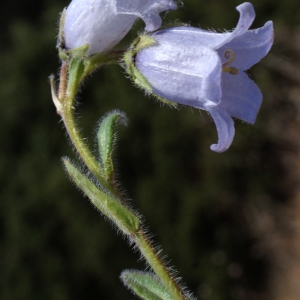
[(228, 222)]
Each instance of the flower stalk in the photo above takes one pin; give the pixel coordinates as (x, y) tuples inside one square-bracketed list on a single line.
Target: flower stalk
[(73, 71), (107, 198), (69, 84)]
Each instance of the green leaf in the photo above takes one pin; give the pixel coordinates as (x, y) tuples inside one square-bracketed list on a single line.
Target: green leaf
[(145, 285), (106, 138), (112, 208)]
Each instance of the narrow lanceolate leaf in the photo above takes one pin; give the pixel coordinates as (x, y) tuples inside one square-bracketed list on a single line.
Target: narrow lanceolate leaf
[(106, 137), (125, 220), (145, 285)]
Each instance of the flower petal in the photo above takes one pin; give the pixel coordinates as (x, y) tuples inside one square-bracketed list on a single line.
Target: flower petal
[(95, 23), (212, 39), (241, 98), (247, 16), (201, 37), (102, 24), (181, 72), (225, 128), (250, 47), (148, 10)]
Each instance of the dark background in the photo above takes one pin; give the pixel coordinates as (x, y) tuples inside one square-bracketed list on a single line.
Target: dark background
[(229, 222)]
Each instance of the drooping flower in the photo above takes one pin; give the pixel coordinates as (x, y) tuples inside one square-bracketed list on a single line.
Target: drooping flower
[(103, 23), (205, 69)]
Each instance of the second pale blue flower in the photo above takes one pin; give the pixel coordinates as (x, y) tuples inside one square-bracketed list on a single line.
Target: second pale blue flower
[(205, 70)]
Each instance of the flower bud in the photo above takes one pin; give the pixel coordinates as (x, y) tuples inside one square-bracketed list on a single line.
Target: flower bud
[(103, 23), (205, 69)]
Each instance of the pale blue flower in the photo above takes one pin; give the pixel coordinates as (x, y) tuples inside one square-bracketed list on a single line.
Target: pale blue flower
[(205, 70), (103, 23)]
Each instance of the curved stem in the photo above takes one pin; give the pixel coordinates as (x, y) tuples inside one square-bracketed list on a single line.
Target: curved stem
[(68, 116), (138, 236), (82, 148)]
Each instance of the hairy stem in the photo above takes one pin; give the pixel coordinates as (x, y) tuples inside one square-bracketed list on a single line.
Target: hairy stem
[(153, 259), (68, 93), (68, 116)]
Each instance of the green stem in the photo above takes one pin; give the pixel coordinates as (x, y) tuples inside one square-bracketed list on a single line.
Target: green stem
[(97, 60), (77, 140), (68, 116), (153, 259), (139, 237)]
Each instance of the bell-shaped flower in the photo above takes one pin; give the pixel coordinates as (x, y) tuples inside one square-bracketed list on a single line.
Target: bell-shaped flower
[(205, 70), (103, 23)]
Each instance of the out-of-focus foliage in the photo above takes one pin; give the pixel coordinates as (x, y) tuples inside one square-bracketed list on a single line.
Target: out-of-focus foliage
[(218, 216)]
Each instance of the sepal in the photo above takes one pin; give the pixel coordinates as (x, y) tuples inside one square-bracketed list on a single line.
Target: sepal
[(61, 39), (142, 42), (76, 71)]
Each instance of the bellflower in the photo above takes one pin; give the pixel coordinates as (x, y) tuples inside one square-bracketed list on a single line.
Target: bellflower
[(103, 23), (205, 69)]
